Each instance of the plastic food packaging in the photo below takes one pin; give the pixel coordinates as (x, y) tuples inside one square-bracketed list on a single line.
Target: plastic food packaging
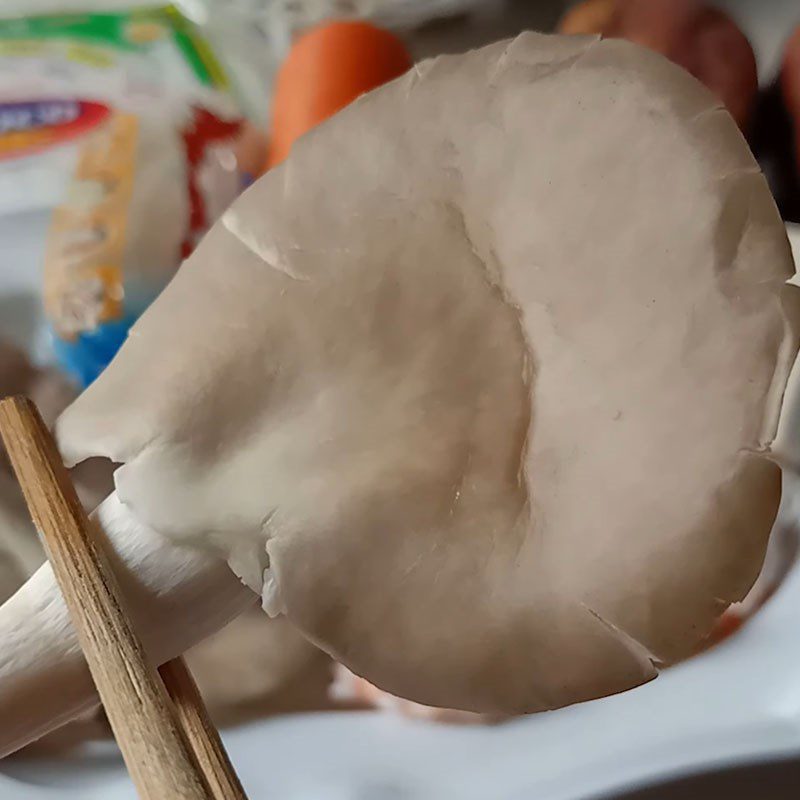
[(120, 131)]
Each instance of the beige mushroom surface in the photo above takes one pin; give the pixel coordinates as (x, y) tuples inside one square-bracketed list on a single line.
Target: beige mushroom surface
[(477, 388)]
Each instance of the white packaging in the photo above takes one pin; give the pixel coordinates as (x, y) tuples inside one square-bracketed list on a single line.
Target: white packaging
[(118, 144)]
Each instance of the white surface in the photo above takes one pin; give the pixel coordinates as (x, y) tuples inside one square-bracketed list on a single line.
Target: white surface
[(21, 254)]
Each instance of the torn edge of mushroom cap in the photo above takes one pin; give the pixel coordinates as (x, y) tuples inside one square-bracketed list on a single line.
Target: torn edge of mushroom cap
[(783, 422)]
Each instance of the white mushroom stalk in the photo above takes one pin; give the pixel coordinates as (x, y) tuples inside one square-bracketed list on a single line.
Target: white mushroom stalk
[(176, 597)]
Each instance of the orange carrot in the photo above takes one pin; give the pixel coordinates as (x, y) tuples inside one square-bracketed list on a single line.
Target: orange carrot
[(327, 68)]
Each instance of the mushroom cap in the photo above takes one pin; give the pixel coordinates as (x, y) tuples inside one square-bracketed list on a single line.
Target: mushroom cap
[(477, 387)]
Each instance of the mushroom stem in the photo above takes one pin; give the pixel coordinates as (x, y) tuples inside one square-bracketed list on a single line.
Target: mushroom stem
[(175, 596)]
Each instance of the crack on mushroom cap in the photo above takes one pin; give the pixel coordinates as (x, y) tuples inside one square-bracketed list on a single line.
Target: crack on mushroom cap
[(573, 51), (648, 660), (269, 254)]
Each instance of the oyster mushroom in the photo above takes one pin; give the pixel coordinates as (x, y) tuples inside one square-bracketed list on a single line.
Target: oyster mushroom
[(477, 388)]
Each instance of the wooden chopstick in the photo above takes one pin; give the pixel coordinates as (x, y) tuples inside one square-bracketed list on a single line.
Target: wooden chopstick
[(166, 746), (200, 731)]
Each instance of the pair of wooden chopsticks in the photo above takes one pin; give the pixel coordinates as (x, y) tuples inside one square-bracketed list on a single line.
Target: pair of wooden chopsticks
[(170, 747)]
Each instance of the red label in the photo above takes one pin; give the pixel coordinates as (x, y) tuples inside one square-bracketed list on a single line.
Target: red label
[(28, 127)]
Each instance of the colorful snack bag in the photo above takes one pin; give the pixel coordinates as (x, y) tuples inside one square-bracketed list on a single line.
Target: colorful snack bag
[(119, 132)]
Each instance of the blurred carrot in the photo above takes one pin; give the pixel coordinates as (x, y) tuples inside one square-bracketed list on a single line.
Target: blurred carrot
[(790, 86), (702, 39), (327, 68), (588, 17), (728, 624)]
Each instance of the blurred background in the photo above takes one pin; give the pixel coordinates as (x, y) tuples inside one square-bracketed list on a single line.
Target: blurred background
[(126, 128)]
